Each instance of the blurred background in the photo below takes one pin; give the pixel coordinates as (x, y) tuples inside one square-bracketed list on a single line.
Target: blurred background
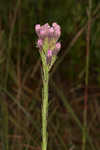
[(21, 81)]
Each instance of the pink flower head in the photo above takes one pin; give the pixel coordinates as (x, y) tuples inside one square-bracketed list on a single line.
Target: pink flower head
[(49, 36), (45, 31)]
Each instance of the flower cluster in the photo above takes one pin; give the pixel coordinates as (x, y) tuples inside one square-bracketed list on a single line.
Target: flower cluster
[(47, 42)]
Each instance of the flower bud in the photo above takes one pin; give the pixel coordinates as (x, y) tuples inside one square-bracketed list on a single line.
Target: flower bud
[(40, 44), (49, 56), (42, 34), (57, 48), (56, 26), (46, 26), (37, 29), (57, 34)]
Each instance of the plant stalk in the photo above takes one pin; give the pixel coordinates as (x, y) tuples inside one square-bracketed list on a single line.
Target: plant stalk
[(45, 108)]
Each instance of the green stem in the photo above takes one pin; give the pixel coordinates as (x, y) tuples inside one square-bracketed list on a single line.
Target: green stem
[(45, 107)]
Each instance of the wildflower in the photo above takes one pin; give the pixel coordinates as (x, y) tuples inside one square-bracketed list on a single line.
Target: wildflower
[(47, 42)]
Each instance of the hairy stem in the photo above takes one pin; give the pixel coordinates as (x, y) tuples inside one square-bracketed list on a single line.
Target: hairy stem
[(45, 107)]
